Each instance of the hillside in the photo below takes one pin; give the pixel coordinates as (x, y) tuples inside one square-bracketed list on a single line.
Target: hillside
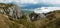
[(48, 22), (10, 18), (5, 22), (52, 20)]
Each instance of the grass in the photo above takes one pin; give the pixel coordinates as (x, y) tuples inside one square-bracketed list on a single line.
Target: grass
[(51, 21)]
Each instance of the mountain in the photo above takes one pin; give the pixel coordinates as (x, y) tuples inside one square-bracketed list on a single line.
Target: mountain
[(26, 11), (33, 6), (10, 10)]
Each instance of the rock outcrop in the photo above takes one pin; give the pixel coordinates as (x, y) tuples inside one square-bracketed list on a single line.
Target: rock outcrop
[(11, 10), (34, 16)]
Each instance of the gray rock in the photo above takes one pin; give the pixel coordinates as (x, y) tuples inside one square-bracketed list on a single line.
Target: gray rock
[(11, 10)]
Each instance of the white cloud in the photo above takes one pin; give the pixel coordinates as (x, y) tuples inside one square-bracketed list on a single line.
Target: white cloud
[(9, 1), (32, 1), (5, 1), (49, 1), (53, 1), (46, 9), (28, 1), (41, 1)]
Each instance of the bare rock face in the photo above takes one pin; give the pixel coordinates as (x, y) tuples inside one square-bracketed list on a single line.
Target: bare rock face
[(34, 16), (10, 10)]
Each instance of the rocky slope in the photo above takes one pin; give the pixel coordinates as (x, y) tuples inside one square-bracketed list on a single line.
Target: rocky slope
[(52, 20), (10, 10)]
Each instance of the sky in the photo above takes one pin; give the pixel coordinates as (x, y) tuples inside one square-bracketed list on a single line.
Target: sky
[(46, 9), (34, 4), (41, 1), (33, 1), (25, 2)]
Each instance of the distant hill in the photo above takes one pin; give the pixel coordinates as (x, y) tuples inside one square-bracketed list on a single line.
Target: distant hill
[(26, 11)]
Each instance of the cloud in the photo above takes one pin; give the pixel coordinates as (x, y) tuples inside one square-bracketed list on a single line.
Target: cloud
[(9, 1), (5, 1), (32, 1), (46, 9), (41, 1), (28, 1), (50, 1)]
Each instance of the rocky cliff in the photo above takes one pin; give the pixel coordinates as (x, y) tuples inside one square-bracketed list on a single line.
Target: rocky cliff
[(11, 10)]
